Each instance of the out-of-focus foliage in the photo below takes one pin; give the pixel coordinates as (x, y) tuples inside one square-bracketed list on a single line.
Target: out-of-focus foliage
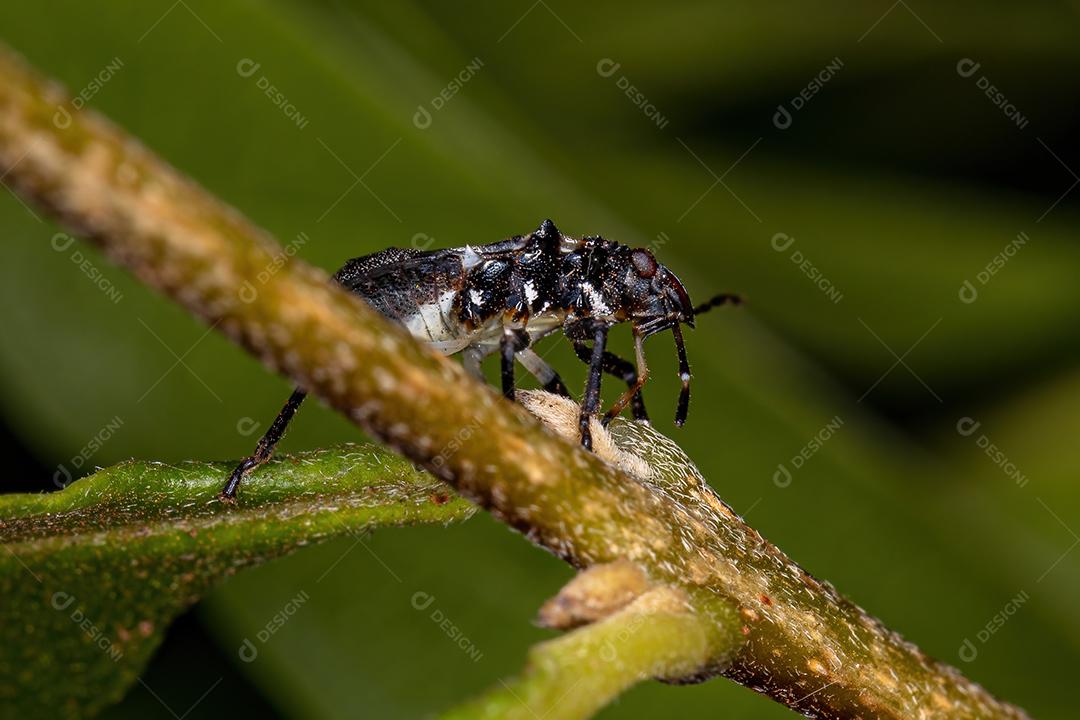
[(898, 180), (92, 575)]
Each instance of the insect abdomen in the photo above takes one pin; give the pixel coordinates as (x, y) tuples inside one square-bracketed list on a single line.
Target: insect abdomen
[(415, 288)]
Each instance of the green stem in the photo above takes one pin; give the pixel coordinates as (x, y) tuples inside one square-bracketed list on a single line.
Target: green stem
[(574, 676)]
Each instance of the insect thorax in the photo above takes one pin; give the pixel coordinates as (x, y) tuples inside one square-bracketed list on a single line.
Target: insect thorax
[(458, 297)]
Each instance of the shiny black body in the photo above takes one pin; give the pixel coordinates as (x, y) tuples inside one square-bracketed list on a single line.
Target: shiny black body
[(505, 296)]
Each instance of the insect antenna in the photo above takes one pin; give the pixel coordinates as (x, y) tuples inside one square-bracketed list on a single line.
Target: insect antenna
[(721, 299), (684, 375)]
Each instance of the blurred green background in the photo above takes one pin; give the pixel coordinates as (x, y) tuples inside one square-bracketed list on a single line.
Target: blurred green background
[(848, 168)]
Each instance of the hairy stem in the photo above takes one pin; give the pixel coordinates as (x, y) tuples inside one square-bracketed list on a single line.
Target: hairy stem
[(805, 646)]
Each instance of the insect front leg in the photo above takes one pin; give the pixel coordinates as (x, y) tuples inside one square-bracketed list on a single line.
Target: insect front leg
[(625, 371), (266, 445), (590, 403), (684, 376), (512, 342), (633, 392)]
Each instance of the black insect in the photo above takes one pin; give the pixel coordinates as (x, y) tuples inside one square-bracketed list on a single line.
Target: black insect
[(505, 296)]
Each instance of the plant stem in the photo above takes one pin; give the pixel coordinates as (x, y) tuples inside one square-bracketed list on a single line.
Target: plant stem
[(574, 676), (806, 646)]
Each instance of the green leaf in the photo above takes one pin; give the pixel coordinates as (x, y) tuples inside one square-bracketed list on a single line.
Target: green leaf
[(92, 575)]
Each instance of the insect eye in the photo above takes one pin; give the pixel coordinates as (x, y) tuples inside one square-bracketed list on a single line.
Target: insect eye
[(644, 263)]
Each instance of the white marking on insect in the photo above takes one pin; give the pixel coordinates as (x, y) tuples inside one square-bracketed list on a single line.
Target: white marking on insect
[(596, 300), (477, 298), (434, 323), (530, 292), (470, 258)]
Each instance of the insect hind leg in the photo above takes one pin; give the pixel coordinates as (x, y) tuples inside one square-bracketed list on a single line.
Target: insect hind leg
[(473, 356), (265, 449), (543, 372)]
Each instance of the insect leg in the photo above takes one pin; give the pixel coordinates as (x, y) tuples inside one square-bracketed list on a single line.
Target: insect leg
[(625, 371), (266, 445), (542, 372), (591, 402), (513, 341), (633, 392), (471, 359), (684, 375)]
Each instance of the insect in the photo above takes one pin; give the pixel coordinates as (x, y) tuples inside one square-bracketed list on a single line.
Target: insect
[(503, 297)]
